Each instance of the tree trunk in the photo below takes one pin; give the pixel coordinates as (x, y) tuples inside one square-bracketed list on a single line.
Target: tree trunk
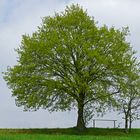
[(126, 123), (130, 125), (80, 121), (130, 121)]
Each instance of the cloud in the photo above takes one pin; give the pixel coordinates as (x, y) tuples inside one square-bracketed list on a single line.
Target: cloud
[(21, 19)]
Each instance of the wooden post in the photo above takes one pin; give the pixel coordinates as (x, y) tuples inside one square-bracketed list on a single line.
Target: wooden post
[(93, 123), (114, 124)]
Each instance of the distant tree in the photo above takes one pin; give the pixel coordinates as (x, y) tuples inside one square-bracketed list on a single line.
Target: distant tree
[(69, 62), (129, 100)]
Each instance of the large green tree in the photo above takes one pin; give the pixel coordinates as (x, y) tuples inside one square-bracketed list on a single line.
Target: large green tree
[(68, 63)]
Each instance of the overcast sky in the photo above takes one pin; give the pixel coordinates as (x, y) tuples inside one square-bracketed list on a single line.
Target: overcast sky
[(18, 17)]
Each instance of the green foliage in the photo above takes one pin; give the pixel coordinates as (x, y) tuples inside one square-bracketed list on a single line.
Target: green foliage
[(69, 62), (128, 101)]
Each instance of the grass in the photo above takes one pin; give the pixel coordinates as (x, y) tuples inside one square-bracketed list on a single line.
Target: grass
[(64, 137), (68, 134)]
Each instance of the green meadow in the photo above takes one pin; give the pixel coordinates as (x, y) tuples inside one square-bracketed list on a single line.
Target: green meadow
[(68, 134), (64, 137)]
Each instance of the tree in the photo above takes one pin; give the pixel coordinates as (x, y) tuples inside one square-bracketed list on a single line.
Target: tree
[(129, 99), (68, 63)]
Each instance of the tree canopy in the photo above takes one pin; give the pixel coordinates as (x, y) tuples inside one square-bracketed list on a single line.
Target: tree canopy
[(70, 62)]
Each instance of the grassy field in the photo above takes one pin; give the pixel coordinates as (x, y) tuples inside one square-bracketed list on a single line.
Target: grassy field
[(64, 137), (68, 134)]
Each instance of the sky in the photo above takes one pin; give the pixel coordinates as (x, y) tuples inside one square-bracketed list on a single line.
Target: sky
[(19, 17)]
